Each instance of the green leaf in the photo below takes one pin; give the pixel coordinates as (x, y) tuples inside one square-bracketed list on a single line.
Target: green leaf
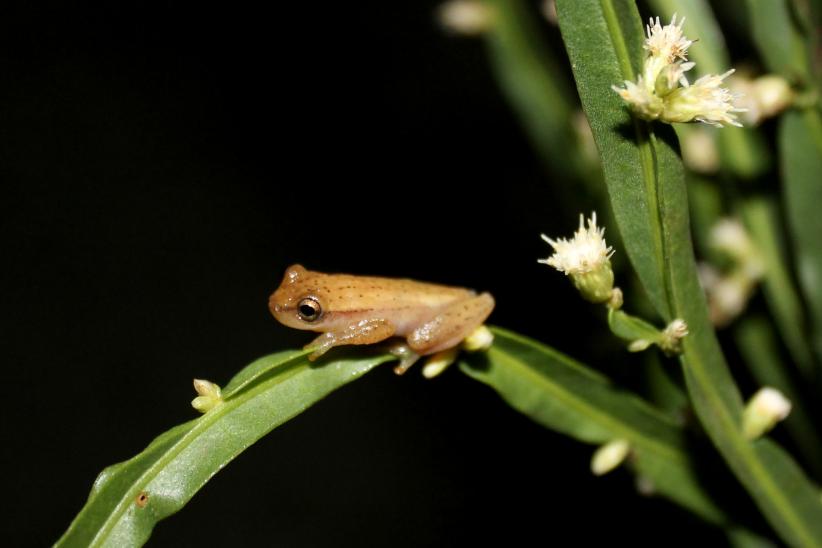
[(761, 217), (756, 343), (781, 44), (532, 80), (646, 186), (563, 395), (800, 150), (129, 498), (616, 132)]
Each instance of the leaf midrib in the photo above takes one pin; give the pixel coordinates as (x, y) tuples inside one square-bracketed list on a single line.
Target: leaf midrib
[(618, 428), (204, 423), (647, 159)]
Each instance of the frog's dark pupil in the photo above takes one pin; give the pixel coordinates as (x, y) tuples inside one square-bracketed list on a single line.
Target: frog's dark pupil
[(308, 311)]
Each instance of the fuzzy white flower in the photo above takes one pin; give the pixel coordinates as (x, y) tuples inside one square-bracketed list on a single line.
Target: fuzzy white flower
[(703, 101), (664, 46), (586, 259), (662, 91), (667, 42), (584, 253), (671, 339), (642, 101)]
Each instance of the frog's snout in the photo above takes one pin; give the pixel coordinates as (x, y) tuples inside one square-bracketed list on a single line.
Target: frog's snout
[(273, 305)]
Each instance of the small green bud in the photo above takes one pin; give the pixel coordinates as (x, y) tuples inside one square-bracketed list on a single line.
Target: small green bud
[(210, 396)]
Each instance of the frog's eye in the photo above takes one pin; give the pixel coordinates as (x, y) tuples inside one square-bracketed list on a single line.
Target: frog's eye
[(309, 309)]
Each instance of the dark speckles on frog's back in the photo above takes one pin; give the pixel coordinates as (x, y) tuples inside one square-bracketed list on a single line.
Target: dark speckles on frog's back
[(346, 292)]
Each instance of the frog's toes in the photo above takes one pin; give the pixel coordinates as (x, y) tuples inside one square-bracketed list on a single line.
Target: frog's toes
[(320, 345), (406, 356)]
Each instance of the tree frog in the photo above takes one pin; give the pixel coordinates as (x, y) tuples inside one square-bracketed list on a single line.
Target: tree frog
[(349, 309)]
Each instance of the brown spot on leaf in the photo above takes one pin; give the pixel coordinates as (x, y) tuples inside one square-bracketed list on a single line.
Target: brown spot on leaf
[(142, 499)]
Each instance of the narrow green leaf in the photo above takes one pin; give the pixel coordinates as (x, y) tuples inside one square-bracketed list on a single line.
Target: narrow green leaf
[(129, 498), (532, 81), (561, 394), (663, 390), (756, 343), (616, 133), (705, 203), (781, 44), (653, 195), (761, 216), (800, 150)]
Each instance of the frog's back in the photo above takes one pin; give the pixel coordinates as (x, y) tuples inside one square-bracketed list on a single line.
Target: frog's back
[(345, 292)]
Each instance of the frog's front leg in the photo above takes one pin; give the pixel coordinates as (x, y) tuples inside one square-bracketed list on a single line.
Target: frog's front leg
[(448, 328), (363, 332)]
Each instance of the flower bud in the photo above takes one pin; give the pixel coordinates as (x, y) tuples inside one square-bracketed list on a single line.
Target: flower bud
[(480, 338), (609, 456), (773, 94), (699, 150), (672, 335), (465, 17), (439, 362), (210, 396), (766, 408)]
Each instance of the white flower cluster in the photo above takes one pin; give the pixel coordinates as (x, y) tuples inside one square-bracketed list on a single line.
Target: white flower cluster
[(584, 253), (586, 259), (663, 92)]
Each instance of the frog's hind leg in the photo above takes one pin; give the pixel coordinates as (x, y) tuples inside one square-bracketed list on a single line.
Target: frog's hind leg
[(448, 328)]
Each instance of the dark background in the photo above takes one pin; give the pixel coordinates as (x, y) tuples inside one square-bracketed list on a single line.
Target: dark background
[(162, 165)]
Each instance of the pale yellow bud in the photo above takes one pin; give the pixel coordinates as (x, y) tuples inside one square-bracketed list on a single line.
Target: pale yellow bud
[(480, 339), (764, 410), (466, 17), (439, 362), (773, 94), (210, 395), (609, 456), (699, 149)]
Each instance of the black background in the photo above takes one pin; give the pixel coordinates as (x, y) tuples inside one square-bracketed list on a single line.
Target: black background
[(162, 165)]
